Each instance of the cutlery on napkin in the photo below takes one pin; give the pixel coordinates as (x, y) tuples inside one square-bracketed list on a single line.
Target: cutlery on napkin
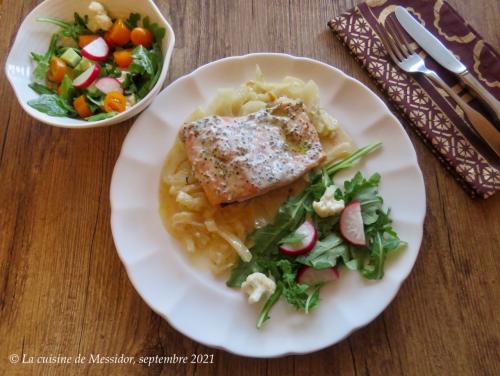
[(426, 108)]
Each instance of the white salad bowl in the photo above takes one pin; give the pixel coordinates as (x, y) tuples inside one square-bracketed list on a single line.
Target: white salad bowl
[(35, 36)]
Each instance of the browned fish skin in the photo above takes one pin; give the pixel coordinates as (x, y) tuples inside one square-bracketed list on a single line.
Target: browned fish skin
[(237, 158)]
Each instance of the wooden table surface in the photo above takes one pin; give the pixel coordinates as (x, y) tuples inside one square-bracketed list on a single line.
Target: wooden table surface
[(63, 290)]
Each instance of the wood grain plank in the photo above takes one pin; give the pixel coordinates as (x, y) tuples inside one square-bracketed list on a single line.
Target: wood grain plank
[(64, 291)]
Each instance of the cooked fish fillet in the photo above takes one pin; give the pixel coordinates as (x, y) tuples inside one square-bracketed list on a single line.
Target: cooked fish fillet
[(237, 158)]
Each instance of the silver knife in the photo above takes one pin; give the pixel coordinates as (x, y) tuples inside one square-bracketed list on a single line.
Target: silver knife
[(445, 57)]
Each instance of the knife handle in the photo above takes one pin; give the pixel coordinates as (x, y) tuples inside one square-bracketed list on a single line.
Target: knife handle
[(480, 124), (481, 92)]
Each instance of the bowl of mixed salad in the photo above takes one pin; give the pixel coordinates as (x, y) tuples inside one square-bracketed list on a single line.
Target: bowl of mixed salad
[(89, 63)]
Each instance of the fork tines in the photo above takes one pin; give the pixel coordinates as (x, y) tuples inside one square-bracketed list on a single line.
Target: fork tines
[(394, 40)]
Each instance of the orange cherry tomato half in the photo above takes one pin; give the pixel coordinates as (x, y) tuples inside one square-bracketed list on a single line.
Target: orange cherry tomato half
[(114, 101), (107, 38), (123, 58), (83, 40), (82, 107), (57, 69), (119, 33), (141, 36)]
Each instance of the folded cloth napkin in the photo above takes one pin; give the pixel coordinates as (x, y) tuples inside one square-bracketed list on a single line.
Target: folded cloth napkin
[(428, 109)]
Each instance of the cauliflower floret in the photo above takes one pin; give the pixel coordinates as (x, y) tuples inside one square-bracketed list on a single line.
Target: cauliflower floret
[(327, 205), (256, 285), (129, 101), (98, 18)]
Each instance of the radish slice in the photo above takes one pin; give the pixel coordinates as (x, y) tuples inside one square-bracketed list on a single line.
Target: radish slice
[(108, 84), (96, 50), (312, 277), (351, 224), (87, 77), (306, 244)]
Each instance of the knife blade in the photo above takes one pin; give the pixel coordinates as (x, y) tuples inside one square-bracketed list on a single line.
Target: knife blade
[(444, 57)]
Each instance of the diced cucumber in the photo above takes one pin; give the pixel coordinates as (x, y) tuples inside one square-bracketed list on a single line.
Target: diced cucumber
[(93, 90), (71, 57), (83, 65)]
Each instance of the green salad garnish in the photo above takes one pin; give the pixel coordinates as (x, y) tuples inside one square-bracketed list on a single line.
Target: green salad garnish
[(331, 250)]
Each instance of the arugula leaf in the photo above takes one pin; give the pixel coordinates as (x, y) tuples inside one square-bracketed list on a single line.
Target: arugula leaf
[(132, 20), (293, 237), (375, 267), (271, 301), (366, 192), (101, 116), (324, 226), (242, 270), (267, 259), (325, 252), (69, 29), (290, 215), (146, 66), (312, 300), (128, 85), (157, 58), (40, 89), (295, 293), (111, 70), (382, 239), (43, 61), (95, 101), (355, 258), (53, 105), (157, 31)]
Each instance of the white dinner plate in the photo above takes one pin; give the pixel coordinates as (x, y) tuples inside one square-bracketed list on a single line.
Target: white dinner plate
[(189, 297)]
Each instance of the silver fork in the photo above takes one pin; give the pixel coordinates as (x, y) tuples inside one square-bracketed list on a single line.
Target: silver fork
[(405, 57)]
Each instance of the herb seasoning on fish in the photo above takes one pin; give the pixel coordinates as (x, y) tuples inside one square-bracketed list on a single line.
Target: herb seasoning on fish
[(237, 158)]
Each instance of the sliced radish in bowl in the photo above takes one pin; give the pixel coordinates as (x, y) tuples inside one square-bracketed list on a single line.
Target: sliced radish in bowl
[(307, 243), (351, 224), (108, 84), (87, 77), (312, 277), (97, 50)]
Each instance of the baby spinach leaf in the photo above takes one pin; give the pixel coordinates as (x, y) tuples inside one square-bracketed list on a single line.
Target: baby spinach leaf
[(40, 89), (53, 105), (101, 116)]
